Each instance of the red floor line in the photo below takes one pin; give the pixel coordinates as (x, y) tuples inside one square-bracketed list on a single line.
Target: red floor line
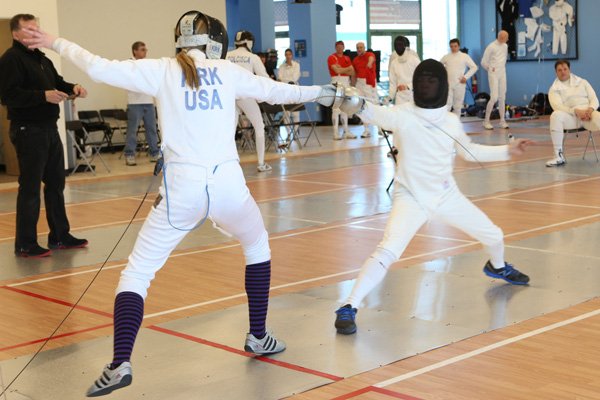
[(62, 335), (57, 301), (246, 354), (370, 389)]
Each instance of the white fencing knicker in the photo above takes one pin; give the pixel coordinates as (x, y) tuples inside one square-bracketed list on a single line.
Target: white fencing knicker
[(561, 120), (369, 93), (335, 112), (407, 217), (193, 191), (497, 81)]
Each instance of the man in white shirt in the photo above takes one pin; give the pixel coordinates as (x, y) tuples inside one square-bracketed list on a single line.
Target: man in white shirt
[(401, 71), (289, 72), (456, 62), (575, 105), (140, 106), (494, 62), (243, 56)]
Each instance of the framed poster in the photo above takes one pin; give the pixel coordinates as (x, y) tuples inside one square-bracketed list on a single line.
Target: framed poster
[(299, 48), (539, 29)]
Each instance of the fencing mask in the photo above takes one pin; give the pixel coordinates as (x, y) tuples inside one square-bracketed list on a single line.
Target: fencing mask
[(195, 29), (430, 84)]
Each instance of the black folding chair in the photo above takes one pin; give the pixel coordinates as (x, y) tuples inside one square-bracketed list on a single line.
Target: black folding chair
[(81, 140), (93, 123)]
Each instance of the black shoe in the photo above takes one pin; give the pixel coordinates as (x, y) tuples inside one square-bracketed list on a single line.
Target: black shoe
[(68, 242), (344, 322), (35, 251), (508, 273)]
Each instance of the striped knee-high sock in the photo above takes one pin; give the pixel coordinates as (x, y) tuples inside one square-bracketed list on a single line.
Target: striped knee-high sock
[(129, 312), (258, 281)]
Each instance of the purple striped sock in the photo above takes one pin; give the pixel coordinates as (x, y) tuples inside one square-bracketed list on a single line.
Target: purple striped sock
[(129, 312), (258, 281)]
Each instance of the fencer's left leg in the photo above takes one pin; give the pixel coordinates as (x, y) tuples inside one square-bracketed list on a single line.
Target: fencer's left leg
[(458, 98), (459, 212), (161, 232), (502, 99), (234, 210), (252, 111)]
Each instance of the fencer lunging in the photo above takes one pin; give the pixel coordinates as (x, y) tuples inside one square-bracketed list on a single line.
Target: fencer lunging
[(427, 136), (494, 62), (575, 105), (456, 62), (196, 94), (243, 56)]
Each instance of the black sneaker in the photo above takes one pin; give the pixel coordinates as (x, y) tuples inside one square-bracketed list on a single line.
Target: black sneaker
[(508, 273), (344, 322), (35, 251), (68, 242)]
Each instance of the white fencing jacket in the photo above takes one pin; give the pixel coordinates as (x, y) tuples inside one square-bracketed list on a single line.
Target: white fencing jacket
[(576, 93), (425, 153)]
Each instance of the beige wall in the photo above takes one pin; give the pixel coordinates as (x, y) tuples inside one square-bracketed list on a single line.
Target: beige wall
[(109, 27)]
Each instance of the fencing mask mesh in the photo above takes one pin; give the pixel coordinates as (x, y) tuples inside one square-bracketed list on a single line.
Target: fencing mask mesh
[(430, 84)]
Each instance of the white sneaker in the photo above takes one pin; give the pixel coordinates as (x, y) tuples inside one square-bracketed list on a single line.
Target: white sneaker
[(556, 162), (130, 160), (349, 135), (111, 379), (335, 137), (503, 125), (365, 134), (487, 125), (267, 345), (264, 167)]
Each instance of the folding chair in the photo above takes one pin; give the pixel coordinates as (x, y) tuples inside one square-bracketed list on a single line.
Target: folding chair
[(297, 125), (94, 123), (393, 152), (577, 131), (273, 119), (76, 130), (116, 118)]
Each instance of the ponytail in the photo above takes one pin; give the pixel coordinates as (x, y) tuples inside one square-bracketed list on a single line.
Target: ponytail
[(189, 69)]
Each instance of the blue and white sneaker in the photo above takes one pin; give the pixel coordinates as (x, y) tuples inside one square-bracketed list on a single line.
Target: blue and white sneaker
[(269, 344), (111, 379), (344, 322), (508, 273)]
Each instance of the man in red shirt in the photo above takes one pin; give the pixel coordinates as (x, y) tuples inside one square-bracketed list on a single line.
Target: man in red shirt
[(340, 69), (366, 73)]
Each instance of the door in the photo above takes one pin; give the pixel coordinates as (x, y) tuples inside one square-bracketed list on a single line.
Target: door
[(384, 41)]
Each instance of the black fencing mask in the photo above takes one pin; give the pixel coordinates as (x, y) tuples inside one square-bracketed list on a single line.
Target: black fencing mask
[(430, 84), (400, 44)]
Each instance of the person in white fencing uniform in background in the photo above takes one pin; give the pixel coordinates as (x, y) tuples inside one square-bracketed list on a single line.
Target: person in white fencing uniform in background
[(427, 137), (243, 56), (456, 62), (341, 71), (202, 177), (494, 62), (401, 71), (365, 78), (289, 72), (575, 104)]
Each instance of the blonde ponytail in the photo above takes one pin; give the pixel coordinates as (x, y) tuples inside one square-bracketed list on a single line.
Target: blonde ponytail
[(189, 69)]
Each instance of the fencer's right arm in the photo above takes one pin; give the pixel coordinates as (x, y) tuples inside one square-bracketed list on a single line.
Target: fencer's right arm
[(386, 118), (485, 60), (142, 76), (556, 101)]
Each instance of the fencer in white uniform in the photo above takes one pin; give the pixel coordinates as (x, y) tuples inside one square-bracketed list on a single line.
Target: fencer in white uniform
[(243, 56), (401, 72), (341, 71), (289, 72), (195, 94), (456, 62), (427, 137), (575, 105), (494, 62)]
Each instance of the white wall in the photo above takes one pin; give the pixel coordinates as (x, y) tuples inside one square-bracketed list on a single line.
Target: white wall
[(109, 27)]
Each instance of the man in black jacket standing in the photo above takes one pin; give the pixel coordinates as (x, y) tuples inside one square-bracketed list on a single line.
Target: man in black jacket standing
[(32, 89)]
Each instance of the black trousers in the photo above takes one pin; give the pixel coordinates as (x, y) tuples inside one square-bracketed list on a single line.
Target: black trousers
[(41, 159)]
